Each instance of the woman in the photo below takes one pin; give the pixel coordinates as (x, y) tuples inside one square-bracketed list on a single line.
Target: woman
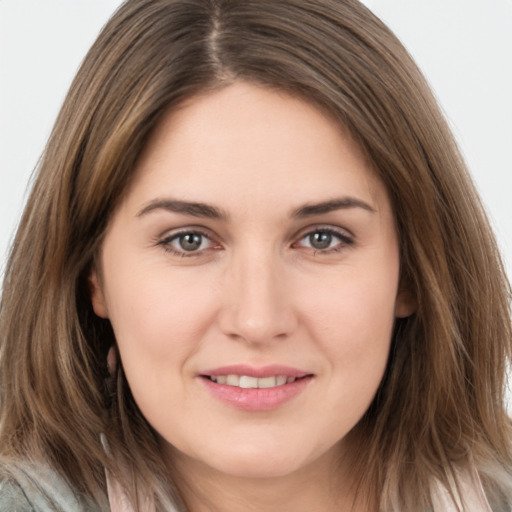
[(253, 274)]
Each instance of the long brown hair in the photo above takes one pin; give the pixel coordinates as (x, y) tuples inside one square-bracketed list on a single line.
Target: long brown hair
[(441, 402)]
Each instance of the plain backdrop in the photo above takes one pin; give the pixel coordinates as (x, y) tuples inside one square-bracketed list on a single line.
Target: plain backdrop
[(464, 47)]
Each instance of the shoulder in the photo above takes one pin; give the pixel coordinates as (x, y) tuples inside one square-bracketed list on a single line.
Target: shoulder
[(29, 487), (12, 496), (471, 495)]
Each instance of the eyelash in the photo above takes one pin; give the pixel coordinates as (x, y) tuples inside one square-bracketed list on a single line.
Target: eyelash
[(344, 241), (166, 243)]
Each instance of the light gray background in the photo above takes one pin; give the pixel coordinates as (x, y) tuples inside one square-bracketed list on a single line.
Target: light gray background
[(463, 46)]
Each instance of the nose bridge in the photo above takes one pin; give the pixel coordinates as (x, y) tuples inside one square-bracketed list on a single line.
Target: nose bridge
[(259, 308)]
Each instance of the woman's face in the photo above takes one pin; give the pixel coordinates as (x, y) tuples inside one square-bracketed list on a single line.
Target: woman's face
[(251, 276)]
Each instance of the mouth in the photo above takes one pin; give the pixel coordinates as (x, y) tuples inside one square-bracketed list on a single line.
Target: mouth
[(251, 389), (256, 388), (250, 382)]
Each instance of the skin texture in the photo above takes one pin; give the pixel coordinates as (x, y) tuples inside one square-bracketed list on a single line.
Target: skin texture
[(255, 292)]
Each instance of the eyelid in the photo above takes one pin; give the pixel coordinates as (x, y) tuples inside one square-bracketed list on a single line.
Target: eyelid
[(312, 228), (345, 236), (165, 240)]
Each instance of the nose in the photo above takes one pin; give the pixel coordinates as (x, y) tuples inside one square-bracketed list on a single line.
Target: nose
[(258, 303)]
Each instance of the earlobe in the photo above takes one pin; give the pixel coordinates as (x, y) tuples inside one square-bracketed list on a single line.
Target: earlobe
[(97, 296), (405, 304)]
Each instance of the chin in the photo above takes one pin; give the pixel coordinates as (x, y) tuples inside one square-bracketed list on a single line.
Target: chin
[(259, 462), (258, 469)]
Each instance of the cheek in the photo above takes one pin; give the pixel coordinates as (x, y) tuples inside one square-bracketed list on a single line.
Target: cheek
[(352, 328), (159, 327), (352, 320), (354, 305), (158, 320)]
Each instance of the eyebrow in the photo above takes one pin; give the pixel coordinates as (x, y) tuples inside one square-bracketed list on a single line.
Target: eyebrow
[(343, 203), (204, 210), (189, 208)]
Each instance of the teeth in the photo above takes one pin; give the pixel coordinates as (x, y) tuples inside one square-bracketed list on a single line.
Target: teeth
[(233, 380), (246, 382), (267, 382)]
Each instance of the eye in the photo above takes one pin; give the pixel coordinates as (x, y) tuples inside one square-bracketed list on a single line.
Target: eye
[(190, 241), (325, 240), (187, 243)]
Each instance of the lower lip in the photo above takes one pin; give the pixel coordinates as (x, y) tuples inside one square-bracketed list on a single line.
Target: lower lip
[(257, 399)]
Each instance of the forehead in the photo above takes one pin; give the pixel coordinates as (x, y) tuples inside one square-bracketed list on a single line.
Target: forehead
[(244, 142)]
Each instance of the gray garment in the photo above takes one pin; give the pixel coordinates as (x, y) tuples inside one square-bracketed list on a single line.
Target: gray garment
[(36, 488), (27, 487)]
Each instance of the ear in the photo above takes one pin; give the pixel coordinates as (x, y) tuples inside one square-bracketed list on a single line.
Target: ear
[(99, 304), (405, 303)]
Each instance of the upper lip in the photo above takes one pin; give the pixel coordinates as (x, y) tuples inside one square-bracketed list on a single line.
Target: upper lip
[(254, 371)]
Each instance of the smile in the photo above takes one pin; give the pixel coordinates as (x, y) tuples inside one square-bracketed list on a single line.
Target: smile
[(248, 382), (256, 389)]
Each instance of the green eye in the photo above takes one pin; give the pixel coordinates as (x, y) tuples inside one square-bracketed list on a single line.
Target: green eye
[(190, 241), (325, 240), (187, 243), (320, 240)]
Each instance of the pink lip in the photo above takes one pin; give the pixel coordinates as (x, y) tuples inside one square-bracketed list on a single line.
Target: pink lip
[(261, 372), (261, 399)]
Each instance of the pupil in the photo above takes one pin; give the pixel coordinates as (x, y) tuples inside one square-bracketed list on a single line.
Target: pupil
[(320, 240), (190, 242)]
